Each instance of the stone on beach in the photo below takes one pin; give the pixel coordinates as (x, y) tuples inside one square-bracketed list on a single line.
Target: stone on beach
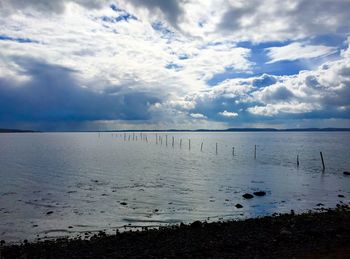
[(247, 196), (260, 193), (196, 224)]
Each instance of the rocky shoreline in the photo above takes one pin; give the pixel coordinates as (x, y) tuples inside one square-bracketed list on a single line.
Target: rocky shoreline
[(324, 234)]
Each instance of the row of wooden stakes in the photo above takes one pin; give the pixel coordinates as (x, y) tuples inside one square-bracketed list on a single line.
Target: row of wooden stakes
[(159, 139)]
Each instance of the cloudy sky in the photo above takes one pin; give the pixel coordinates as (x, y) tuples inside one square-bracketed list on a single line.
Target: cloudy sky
[(132, 64)]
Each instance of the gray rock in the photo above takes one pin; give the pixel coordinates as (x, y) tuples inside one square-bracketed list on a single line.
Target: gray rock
[(247, 196), (260, 193)]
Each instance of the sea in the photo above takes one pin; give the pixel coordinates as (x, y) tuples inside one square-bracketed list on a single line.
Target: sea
[(77, 184)]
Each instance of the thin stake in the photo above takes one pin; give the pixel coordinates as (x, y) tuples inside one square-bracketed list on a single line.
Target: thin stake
[(254, 151), (172, 144), (233, 151), (202, 146), (166, 140), (156, 138), (189, 144), (323, 166), (216, 148), (180, 142), (297, 160)]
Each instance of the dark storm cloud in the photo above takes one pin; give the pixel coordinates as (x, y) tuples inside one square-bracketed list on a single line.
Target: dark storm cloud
[(303, 16), (280, 93), (53, 94), (172, 9), (51, 6)]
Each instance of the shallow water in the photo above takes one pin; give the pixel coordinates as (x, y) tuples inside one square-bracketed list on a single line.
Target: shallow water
[(55, 184)]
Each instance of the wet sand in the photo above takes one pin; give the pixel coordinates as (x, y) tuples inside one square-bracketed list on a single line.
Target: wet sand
[(323, 234)]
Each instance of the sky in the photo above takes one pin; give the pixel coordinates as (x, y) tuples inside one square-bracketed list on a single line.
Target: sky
[(174, 64)]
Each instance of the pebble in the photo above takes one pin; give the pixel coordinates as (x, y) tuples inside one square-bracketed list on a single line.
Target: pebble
[(285, 232), (247, 196), (196, 224), (49, 212), (123, 203), (260, 193), (238, 206)]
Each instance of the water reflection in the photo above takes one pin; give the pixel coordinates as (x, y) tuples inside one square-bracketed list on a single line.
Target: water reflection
[(64, 183)]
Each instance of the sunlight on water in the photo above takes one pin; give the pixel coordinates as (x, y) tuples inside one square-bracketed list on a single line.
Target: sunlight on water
[(55, 184)]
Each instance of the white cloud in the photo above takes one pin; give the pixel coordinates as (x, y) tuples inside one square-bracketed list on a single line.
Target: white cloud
[(296, 50), (198, 116), (228, 114), (288, 108), (320, 93)]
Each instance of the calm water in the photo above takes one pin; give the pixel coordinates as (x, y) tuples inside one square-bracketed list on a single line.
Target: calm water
[(82, 178)]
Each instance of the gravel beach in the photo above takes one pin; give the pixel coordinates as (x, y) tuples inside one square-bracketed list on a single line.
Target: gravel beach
[(323, 234)]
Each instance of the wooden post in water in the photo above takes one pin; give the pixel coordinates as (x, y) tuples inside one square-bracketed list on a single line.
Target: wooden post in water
[(133, 136), (254, 151), (323, 166), (172, 143), (161, 141), (180, 142), (216, 148), (124, 136), (156, 138), (202, 146), (297, 160), (189, 144), (233, 151), (166, 140)]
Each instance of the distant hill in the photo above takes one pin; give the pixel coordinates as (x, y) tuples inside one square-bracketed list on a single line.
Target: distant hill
[(14, 131)]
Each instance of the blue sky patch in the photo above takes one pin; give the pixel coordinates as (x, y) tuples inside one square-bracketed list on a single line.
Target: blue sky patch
[(173, 66), (160, 27), (20, 40)]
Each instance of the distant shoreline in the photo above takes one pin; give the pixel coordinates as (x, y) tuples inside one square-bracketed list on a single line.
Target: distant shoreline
[(197, 130), (16, 131)]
